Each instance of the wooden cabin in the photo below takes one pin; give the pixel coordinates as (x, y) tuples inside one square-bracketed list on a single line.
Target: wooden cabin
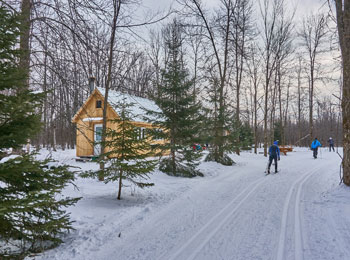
[(89, 119)]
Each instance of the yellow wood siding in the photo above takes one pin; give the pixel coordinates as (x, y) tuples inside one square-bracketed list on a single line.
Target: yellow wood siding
[(85, 129)]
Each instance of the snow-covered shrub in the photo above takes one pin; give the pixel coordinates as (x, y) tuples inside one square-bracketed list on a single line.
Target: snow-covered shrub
[(182, 170), (224, 160)]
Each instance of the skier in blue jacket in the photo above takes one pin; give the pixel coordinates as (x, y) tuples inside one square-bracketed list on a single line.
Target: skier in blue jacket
[(314, 147), (274, 154)]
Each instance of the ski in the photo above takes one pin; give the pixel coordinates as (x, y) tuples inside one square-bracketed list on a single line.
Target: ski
[(266, 173)]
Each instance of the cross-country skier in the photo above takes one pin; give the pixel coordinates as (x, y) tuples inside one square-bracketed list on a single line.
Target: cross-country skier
[(331, 143), (314, 147), (274, 154)]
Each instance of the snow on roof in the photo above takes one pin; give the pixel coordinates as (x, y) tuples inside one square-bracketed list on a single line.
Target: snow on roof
[(88, 119), (139, 107)]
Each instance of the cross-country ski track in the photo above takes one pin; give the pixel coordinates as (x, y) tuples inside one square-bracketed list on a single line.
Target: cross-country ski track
[(295, 190), (233, 213)]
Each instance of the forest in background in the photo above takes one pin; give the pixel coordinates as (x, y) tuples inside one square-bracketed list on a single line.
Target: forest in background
[(257, 62), (237, 76)]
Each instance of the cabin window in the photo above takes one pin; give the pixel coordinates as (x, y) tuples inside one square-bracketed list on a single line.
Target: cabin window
[(158, 134), (99, 104), (141, 133)]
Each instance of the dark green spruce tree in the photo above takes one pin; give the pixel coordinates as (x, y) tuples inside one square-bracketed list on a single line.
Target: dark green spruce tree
[(31, 218), (18, 121), (239, 135), (127, 151), (181, 114), (277, 132), (222, 136), (246, 136)]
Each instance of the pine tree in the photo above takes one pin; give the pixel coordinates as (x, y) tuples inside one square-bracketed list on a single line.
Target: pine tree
[(31, 218), (229, 139), (127, 149), (246, 137), (18, 121), (277, 132), (239, 135), (180, 118)]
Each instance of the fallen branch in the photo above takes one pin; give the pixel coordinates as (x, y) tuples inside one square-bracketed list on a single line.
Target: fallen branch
[(302, 138)]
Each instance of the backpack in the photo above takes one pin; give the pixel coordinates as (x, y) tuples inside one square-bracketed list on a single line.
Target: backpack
[(273, 150)]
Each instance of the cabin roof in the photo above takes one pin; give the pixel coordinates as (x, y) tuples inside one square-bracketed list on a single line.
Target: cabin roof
[(138, 108), (139, 105)]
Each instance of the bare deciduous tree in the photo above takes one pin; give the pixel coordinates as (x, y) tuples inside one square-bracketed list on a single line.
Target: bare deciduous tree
[(221, 57), (276, 29), (313, 34), (240, 34), (255, 75)]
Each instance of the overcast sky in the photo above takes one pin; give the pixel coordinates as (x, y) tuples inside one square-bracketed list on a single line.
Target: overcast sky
[(303, 6)]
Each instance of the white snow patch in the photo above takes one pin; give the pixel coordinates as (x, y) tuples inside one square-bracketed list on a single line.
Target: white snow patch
[(89, 119), (7, 158), (234, 212)]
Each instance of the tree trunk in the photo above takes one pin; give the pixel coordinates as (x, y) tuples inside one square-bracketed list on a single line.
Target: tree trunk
[(311, 107), (346, 93), (120, 184), (299, 103), (343, 22), (286, 116), (255, 117), (116, 5), (273, 109), (265, 107), (26, 7), (45, 126)]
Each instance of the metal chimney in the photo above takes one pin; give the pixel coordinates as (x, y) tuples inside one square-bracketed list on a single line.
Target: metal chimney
[(92, 83)]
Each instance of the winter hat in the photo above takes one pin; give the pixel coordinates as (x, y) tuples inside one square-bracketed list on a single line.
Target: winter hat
[(275, 142)]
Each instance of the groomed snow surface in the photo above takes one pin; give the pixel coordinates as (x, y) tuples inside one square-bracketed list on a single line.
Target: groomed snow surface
[(234, 212)]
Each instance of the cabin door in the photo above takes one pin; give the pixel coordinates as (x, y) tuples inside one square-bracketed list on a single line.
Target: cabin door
[(97, 139)]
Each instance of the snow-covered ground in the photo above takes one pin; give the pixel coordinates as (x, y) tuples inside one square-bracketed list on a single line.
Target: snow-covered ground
[(233, 212)]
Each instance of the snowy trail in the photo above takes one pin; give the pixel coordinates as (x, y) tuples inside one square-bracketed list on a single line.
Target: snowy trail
[(233, 213), (328, 234), (291, 215), (298, 218), (213, 226), (298, 184), (203, 236)]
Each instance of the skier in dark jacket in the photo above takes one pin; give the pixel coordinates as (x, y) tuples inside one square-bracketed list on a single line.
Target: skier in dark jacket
[(274, 154), (331, 143), (314, 147)]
